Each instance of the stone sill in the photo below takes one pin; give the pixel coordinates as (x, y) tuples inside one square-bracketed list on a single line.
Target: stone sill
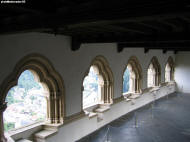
[(92, 115), (101, 110), (134, 96), (24, 128), (24, 140), (155, 88), (98, 108), (47, 130)]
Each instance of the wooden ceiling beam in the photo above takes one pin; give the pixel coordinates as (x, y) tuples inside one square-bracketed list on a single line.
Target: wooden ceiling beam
[(158, 28), (141, 16), (165, 46), (138, 38), (123, 29)]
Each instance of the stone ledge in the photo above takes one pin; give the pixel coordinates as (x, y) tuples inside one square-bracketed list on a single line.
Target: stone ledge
[(101, 110), (52, 126), (92, 114), (127, 99), (74, 117), (23, 140), (135, 96)]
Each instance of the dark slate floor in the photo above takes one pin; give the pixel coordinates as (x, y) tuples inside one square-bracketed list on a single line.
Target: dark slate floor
[(166, 120)]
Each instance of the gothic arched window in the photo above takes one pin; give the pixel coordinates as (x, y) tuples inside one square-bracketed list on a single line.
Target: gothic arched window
[(169, 70), (154, 73), (97, 84), (132, 77)]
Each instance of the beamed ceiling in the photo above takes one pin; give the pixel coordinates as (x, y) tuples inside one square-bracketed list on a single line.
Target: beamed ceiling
[(149, 24)]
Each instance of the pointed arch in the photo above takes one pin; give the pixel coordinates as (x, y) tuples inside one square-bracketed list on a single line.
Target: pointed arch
[(136, 74), (46, 74), (169, 70), (105, 74), (154, 73)]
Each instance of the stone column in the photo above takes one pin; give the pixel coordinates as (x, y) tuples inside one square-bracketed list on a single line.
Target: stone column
[(2, 109)]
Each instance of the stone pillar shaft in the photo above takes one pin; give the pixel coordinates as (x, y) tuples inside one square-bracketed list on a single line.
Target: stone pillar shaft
[(2, 109)]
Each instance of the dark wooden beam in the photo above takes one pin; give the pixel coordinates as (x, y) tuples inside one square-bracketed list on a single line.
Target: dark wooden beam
[(164, 51), (146, 50), (75, 44), (172, 37), (172, 25), (120, 47), (169, 45), (116, 28), (158, 28), (132, 15), (8, 8)]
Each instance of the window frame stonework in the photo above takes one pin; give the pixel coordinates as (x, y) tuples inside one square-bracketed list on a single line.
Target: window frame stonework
[(47, 75), (107, 92)]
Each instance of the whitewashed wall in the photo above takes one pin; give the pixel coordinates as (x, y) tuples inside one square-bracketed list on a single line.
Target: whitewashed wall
[(182, 71), (73, 65)]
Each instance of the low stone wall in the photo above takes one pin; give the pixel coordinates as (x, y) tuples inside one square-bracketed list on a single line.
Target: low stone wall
[(77, 129)]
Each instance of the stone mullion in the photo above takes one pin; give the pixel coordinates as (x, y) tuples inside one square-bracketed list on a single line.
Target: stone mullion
[(102, 93), (171, 75), (105, 92), (2, 109), (157, 77), (55, 108), (48, 109), (52, 108), (60, 109), (108, 93), (136, 85)]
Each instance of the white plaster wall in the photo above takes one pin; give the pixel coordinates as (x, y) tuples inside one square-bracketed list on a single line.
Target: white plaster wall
[(73, 65), (182, 71)]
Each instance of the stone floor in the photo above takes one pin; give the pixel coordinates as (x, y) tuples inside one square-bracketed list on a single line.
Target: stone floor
[(166, 120)]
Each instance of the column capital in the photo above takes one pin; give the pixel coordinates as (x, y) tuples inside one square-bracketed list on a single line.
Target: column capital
[(3, 107)]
